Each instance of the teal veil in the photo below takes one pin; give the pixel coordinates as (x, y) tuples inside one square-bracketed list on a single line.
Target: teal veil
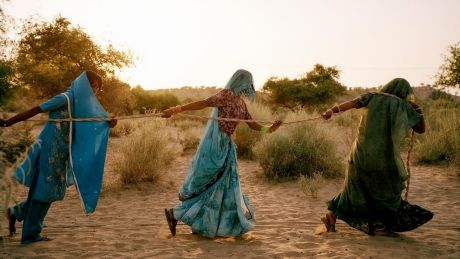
[(241, 83), (88, 146), (398, 87)]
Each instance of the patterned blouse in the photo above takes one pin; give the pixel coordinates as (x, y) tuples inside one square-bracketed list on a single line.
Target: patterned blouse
[(230, 105)]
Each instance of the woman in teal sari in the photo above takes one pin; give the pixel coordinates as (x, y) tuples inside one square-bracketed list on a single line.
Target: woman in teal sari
[(58, 159), (376, 176), (212, 201)]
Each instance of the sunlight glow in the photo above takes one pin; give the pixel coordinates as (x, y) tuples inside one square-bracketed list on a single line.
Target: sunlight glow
[(202, 42)]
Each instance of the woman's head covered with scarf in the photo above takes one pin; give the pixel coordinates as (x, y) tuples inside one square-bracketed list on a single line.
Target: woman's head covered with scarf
[(241, 83), (399, 87)]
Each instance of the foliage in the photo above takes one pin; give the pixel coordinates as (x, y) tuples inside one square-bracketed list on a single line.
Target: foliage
[(51, 55), (188, 94), (319, 86), (147, 152), (449, 72), (6, 68), (6, 84), (117, 97), (145, 100), (245, 137), (123, 128), (298, 150), (13, 148)]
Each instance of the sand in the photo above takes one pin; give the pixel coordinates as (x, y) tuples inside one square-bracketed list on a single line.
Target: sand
[(129, 222)]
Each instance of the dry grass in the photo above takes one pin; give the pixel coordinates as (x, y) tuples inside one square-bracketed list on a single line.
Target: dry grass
[(147, 152), (441, 141), (190, 137), (311, 185)]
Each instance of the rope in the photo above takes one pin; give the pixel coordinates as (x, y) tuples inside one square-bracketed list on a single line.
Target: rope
[(159, 115), (411, 145), (70, 155)]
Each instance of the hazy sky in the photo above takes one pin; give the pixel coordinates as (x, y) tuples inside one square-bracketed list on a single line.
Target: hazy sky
[(202, 42)]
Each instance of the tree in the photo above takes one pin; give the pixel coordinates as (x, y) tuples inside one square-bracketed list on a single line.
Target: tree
[(6, 84), (449, 72), (51, 55), (117, 97), (6, 68), (147, 101), (319, 86)]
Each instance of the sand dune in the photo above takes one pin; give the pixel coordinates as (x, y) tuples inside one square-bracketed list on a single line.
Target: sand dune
[(129, 222)]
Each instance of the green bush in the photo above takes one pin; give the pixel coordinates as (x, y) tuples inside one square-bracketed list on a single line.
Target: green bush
[(245, 137), (297, 150)]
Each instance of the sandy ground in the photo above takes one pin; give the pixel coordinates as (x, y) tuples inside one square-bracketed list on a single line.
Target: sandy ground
[(129, 223)]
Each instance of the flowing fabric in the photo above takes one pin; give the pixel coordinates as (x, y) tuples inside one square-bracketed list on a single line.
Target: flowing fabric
[(212, 202), (376, 175), (49, 155)]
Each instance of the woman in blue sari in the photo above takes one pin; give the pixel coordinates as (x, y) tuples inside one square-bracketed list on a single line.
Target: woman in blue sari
[(58, 159), (212, 201)]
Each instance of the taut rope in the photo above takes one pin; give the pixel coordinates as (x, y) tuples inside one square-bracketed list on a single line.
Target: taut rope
[(159, 115), (411, 145)]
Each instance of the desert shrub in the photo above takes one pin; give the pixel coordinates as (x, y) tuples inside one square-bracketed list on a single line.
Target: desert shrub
[(311, 185), (147, 152), (14, 146), (298, 150), (124, 128), (190, 137), (190, 131), (441, 141), (245, 137), (185, 124)]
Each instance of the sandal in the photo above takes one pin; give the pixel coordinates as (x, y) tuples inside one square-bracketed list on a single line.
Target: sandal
[(11, 222), (172, 222)]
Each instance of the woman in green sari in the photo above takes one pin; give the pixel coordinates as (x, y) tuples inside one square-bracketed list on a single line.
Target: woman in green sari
[(375, 175)]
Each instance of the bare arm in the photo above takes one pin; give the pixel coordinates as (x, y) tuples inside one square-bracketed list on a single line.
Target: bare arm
[(198, 105), (339, 108), (21, 117)]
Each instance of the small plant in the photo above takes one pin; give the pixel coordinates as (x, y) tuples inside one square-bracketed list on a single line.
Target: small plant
[(311, 185)]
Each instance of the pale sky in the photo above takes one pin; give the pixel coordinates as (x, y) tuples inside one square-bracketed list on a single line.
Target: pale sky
[(202, 42)]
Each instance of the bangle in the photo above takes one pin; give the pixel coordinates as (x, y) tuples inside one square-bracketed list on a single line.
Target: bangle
[(265, 129)]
